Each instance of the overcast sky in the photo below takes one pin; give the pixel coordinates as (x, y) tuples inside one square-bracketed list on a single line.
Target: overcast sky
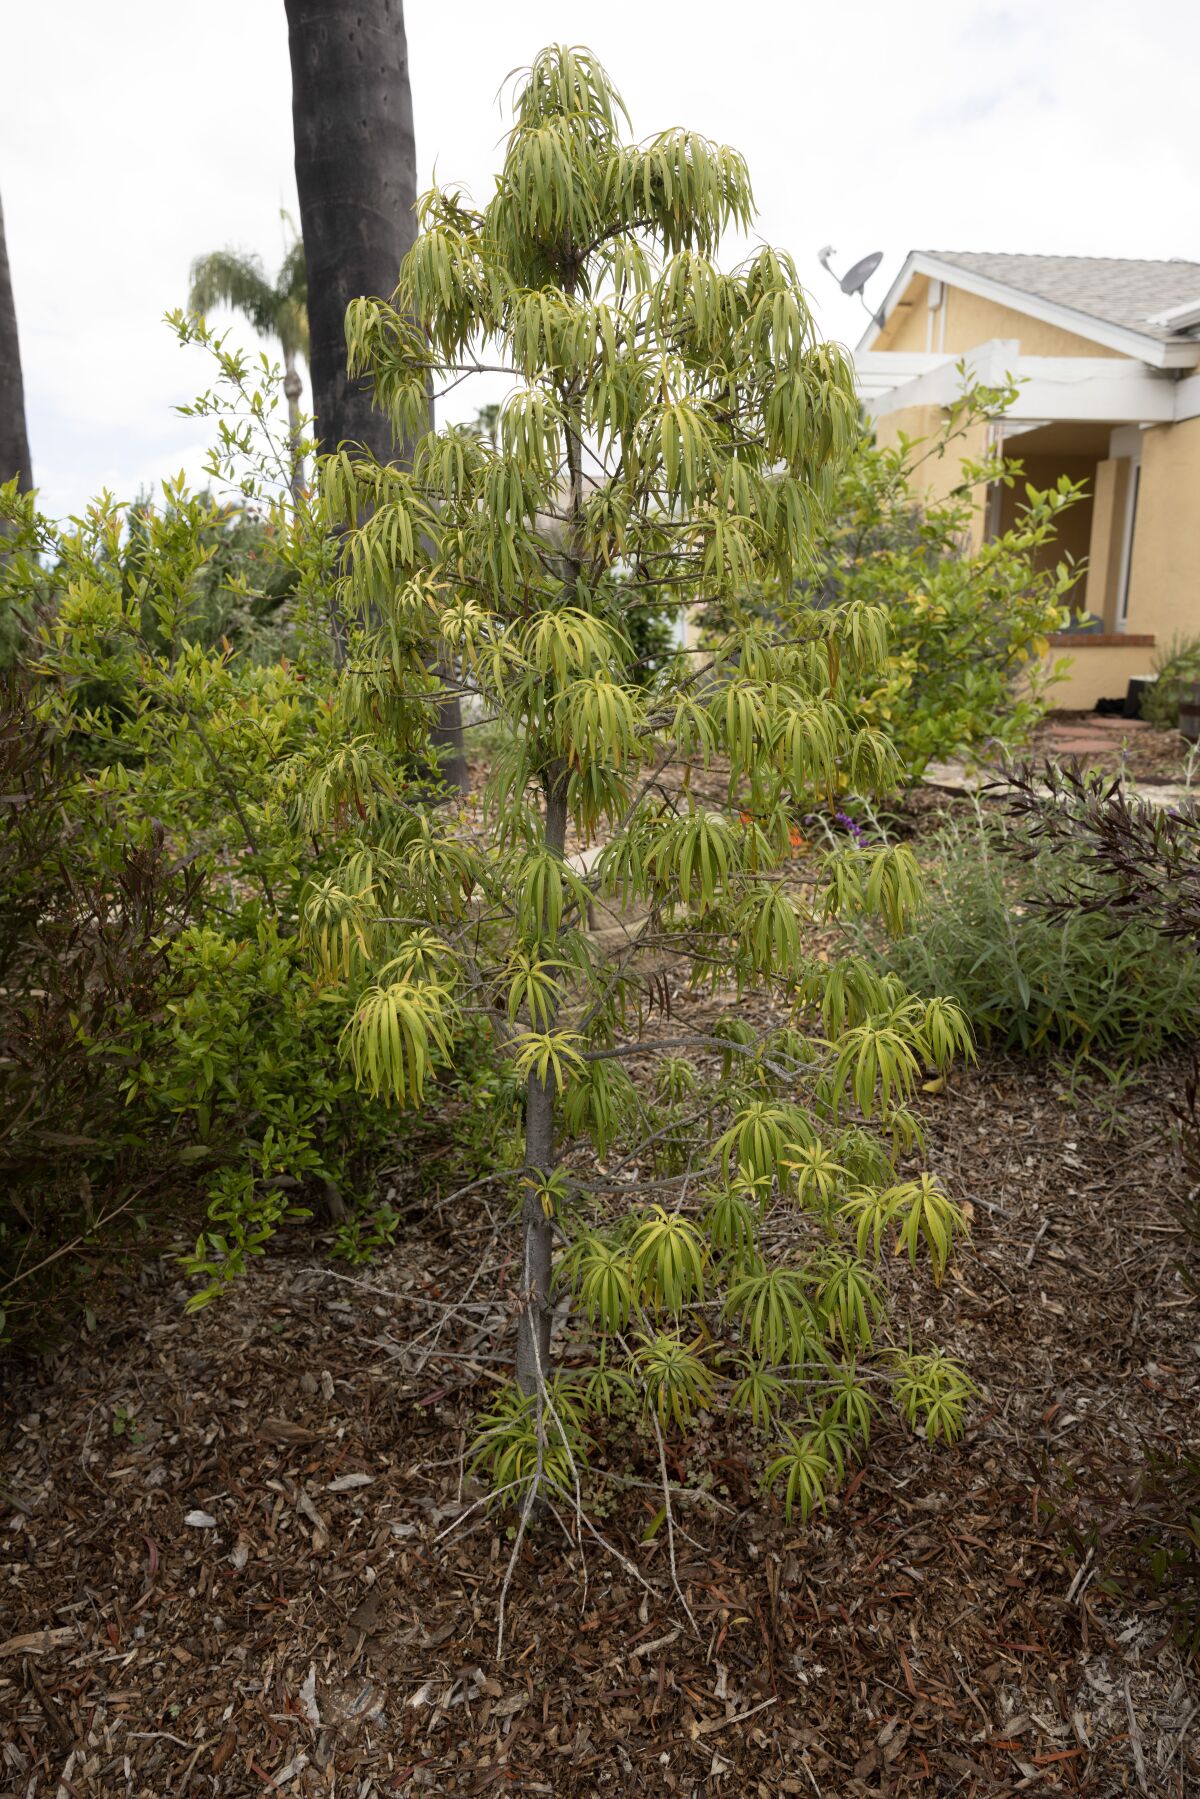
[(138, 133)]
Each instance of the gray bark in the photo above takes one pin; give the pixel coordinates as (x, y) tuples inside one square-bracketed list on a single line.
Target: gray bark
[(291, 389), (356, 176), (533, 1330), (533, 1324), (14, 437)]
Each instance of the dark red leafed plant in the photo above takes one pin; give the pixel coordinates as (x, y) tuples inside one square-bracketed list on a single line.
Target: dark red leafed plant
[(1139, 860)]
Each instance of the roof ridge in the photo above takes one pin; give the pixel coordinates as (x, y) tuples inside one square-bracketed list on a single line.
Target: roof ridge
[(1071, 256), (1124, 302)]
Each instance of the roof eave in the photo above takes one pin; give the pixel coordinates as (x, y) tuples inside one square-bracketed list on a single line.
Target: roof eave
[(1121, 338)]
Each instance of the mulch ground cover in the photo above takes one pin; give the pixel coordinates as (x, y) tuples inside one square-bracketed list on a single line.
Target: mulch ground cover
[(242, 1556)]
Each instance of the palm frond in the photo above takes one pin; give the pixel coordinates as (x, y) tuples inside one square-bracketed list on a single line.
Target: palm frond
[(228, 278)]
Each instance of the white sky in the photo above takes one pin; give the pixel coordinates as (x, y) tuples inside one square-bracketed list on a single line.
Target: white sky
[(136, 134)]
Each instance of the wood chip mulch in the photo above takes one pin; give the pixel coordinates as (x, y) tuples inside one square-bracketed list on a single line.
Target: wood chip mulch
[(240, 1556)]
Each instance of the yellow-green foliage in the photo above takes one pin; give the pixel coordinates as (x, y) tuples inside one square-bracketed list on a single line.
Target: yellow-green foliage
[(177, 683), (968, 628), (673, 433)]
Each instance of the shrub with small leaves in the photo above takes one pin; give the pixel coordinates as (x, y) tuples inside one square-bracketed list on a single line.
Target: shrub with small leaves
[(969, 628), (172, 1048)]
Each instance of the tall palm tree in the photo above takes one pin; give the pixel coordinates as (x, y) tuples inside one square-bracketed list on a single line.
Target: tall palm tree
[(277, 309), (356, 175), (14, 438)]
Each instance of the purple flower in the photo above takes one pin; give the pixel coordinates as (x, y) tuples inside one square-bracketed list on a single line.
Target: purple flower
[(852, 825)]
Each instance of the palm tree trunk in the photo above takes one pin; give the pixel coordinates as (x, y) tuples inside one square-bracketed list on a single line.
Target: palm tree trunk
[(14, 438), (356, 175), (291, 388)]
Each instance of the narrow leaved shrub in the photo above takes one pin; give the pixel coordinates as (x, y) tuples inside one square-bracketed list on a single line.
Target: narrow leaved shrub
[(1098, 981), (1177, 668)]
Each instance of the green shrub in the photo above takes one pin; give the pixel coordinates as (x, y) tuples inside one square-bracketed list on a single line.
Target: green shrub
[(1177, 667), (84, 954), (968, 627), (243, 1067), (167, 1045), (1031, 981)]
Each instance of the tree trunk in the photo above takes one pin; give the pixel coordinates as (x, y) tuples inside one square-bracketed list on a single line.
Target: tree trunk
[(14, 439), (356, 175), (291, 389), (533, 1324)]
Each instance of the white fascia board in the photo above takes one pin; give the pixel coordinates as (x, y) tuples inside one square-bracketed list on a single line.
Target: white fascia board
[(1114, 337), (1051, 389), (1177, 318), (1187, 398), (942, 384), (1093, 388), (878, 371)]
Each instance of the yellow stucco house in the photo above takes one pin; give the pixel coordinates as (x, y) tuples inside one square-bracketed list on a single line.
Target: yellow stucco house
[(1107, 352)]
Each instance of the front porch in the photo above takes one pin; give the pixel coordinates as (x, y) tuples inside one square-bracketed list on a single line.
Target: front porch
[(1097, 535), (1089, 418)]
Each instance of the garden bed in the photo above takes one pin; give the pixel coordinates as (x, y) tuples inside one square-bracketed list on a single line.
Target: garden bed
[(333, 1629)]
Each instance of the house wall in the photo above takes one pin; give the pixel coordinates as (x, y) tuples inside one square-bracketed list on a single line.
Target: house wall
[(1164, 574), (935, 477), (1164, 570), (1098, 669), (1074, 534), (906, 328), (971, 321)]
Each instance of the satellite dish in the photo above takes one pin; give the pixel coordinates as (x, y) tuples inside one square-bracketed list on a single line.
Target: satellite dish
[(855, 279)]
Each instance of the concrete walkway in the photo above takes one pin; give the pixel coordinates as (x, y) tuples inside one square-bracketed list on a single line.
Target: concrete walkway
[(961, 777), (1092, 740)]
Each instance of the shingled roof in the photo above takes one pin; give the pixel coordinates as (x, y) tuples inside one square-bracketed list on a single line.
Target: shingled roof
[(1125, 291)]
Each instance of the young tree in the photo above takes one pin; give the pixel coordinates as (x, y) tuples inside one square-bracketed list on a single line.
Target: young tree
[(670, 437), (276, 309)]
